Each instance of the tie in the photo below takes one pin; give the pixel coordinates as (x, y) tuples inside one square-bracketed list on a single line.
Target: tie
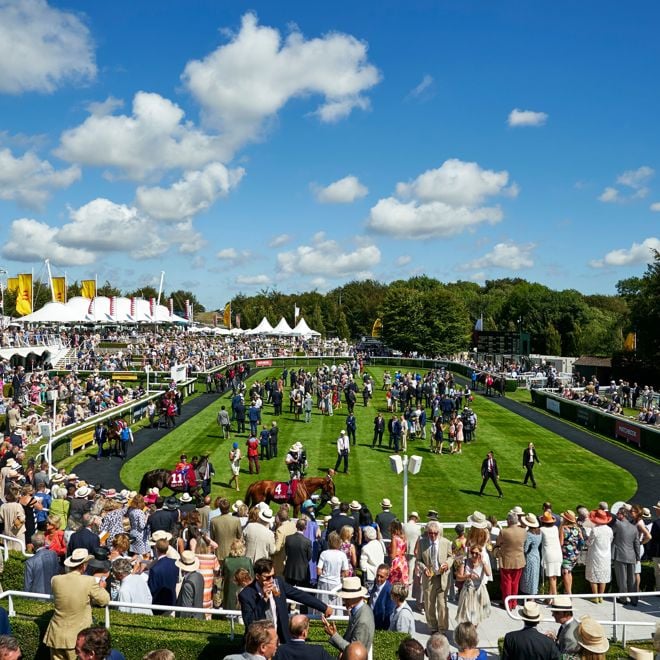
[(434, 557)]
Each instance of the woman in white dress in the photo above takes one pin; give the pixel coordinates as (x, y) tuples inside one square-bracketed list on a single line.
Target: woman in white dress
[(473, 602), (598, 567), (331, 567), (551, 555), (235, 457)]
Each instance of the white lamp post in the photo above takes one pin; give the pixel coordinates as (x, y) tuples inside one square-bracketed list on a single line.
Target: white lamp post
[(412, 465), (147, 370)]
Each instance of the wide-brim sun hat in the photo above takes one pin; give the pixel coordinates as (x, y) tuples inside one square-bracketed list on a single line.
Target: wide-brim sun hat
[(354, 506), (159, 535), (547, 518), (385, 503), (188, 561), (351, 587), (266, 515), (478, 520), (186, 498), (83, 492), (530, 520), (78, 556), (600, 517), (569, 516), (591, 636)]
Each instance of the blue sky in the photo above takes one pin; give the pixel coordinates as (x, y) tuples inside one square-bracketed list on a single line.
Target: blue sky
[(295, 145)]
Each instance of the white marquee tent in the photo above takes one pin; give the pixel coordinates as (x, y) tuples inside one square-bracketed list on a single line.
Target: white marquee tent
[(264, 328), (282, 328), (304, 330)]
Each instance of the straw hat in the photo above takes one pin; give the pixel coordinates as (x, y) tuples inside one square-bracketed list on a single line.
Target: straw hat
[(12, 463), (591, 636), (518, 510), (547, 518), (58, 478), (530, 520), (646, 513), (600, 517), (78, 556), (385, 503), (160, 535), (639, 654), (561, 604), (266, 515), (186, 498), (351, 587), (569, 516), (478, 520), (188, 561), (83, 492), (355, 505), (657, 505), (111, 493), (413, 514), (530, 612), (334, 501), (236, 504)]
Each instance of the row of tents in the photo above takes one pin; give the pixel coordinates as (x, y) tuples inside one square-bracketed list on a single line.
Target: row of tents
[(101, 309)]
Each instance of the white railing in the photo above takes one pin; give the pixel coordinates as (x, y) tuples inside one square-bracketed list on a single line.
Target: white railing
[(614, 621), (12, 539)]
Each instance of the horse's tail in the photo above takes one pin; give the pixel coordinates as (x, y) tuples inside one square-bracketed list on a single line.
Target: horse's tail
[(249, 497), (144, 484)]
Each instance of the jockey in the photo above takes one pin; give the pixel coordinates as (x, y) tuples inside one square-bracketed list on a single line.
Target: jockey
[(294, 461), (183, 465)]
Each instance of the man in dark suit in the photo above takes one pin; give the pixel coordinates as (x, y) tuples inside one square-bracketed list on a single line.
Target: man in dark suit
[(379, 599), (379, 429), (84, 537), (385, 518), (100, 438), (489, 471), (298, 551), (267, 595), (41, 566), (343, 518), (351, 428), (163, 577), (529, 643), (298, 648), (529, 458)]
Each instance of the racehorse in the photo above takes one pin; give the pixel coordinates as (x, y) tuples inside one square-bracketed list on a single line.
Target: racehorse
[(268, 491), (164, 478)]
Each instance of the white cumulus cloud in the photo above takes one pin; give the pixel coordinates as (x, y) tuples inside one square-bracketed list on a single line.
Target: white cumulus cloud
[(442, 202), (423, 89), (233, 255), (253, 280), (519, 117), (153, 139), (655, 206), (344, 191), (635, 180), (609, 195), (403, 260), (248, 80), (637, 253), (279, 240), (326, 259), (508, 256), (193, 193), (29, 180), (42, 47), (31, 240)]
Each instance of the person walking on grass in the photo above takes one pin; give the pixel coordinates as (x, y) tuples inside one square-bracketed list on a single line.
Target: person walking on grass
[(235, 457)]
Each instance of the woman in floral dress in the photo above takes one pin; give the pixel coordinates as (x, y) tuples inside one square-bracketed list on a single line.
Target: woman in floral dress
[(529, 582), (570, 537), (397, 553)]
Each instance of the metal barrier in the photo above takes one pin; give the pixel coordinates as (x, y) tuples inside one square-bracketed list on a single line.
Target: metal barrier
[(614, 621), (12, 539)]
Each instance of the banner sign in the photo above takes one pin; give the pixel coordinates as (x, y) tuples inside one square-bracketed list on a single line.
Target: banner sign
[(582, 417), (552, 405), (178, 373), (628, 432), (263, 363)]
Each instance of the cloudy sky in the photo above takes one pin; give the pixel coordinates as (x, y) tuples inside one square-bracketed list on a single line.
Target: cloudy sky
[(297, 145)]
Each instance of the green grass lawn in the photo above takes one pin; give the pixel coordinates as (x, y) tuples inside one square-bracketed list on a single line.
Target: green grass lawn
[(450, 484)]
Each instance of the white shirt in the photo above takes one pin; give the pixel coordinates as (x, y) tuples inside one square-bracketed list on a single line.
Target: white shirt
[(343, 444)]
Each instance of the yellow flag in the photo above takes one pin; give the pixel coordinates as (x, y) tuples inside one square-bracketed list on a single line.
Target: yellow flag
[(59, 289), (88, 288), (227, 316), (24, 296), (12, 284), (377, 328), (630, 344)]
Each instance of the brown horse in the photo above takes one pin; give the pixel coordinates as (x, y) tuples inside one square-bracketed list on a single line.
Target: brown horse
[(162, 478), (265, 491)]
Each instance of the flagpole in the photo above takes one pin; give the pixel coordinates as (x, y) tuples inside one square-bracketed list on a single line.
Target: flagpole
[(50, 280), (160, 288)]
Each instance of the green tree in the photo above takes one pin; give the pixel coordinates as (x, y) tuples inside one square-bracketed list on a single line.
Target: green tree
[(108, 290), (342, 326), (552, 340), (145, 292), (179, 298), (316, 320)]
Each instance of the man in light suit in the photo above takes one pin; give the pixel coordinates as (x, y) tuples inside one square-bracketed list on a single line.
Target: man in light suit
[(41, 567), (625, 552), (566, 638), (225, 528), (361, 627), (259, 540), (260, 642), (435, 559), (298, 648), (509, 549), (74, 594)]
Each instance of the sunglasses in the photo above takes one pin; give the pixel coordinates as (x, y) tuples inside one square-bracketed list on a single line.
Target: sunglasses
[(265, 577)]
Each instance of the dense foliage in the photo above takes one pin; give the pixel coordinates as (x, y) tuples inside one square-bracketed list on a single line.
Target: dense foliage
[(425, 315)]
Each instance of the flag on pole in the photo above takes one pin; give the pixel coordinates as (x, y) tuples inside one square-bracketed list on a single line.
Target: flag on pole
[(12, 284), (24, 297), (630, 344), (171, 305), (237, 318), (187, 310), (58, 285), (296, 312), (479, 325), (377, 328), (88, 288), (226, 317)]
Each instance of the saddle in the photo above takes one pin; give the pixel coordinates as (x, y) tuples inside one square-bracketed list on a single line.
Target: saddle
[(285, 492), (180, 479)]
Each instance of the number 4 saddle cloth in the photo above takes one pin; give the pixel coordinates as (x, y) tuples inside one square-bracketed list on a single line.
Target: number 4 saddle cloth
[(285, 492)]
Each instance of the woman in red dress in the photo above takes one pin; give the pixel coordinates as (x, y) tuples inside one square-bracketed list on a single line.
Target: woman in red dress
[(397, 554)]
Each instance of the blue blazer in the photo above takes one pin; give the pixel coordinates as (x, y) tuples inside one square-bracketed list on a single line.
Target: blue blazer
[(383, 607), (163, 576), (39, 570)]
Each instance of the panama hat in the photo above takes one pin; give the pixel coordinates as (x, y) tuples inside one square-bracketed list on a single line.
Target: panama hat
[(591, 636), (58, 478), (639, 654), (111, 493), (78, 556), (518, 510), (351, 587), (159, 535), (478, 520), (530, 612), (657, 505), (355, 505), (432, 514), (186, 498), (561, 604), (385, 503), (188, 561), (236, 504), (530, 520), (413, 514), (334, 501), (569, 516), (266, 515), (600, 517), (646, 513), (83, 491)]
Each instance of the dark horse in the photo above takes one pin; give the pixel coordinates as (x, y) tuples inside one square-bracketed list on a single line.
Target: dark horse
[(264, 491), (163, 478)]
